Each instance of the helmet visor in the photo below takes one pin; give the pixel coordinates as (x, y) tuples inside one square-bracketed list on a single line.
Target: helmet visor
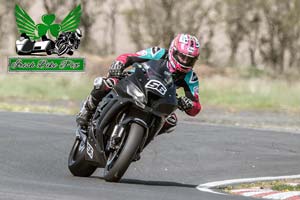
[(185, 60)]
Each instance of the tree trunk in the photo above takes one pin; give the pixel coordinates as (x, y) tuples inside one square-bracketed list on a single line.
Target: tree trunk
[(252, 57), (234, 48)]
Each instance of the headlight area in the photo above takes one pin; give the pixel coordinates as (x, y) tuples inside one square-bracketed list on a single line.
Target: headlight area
[(137, 95)]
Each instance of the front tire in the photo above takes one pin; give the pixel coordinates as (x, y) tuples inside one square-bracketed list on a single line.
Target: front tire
[(78, 166), (114, 173)]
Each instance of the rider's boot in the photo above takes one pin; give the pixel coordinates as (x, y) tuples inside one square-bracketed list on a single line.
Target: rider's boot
[(86, 112), (101, 87)]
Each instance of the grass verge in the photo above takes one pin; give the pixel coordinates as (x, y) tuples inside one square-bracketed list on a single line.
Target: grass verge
[(50, 87), (39, 108), (253, 93), (280, 185), (229, 93), (284, 187)]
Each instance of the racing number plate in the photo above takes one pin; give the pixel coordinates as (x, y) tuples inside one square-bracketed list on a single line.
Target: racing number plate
[(157, 86)]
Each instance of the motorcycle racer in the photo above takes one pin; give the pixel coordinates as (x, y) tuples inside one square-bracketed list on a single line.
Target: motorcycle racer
[(179, 58)]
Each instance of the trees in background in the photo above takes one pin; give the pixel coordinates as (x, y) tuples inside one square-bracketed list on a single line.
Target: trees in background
[(156, 22), (103, 13), (8, 30), (279, 42), (241, 22), (269, 29)]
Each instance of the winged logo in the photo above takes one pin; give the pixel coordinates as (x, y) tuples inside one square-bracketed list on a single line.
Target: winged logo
[(35, 31)]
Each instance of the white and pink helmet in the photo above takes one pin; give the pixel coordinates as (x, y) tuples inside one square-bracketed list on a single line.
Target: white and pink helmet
[(183, 53)]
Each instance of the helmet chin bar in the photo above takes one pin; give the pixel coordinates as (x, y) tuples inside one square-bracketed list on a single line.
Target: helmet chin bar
[(186, 67), (187, 61), (172, 67)]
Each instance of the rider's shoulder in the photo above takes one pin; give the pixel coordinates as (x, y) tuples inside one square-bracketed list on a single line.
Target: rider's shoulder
[(152, 53), (157, 49), (191, 77)]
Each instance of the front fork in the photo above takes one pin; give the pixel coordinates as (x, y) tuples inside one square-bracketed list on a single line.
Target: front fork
[(117, 135)]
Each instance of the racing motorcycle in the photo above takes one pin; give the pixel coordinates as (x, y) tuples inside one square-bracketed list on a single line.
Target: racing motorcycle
[(125, 121), (64, 46), (67, 42)]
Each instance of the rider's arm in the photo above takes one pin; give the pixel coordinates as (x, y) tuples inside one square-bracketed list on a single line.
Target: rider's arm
[(191, 89), (153, 53)]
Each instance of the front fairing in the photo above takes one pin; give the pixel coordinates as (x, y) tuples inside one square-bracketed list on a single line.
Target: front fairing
[(156, 83)]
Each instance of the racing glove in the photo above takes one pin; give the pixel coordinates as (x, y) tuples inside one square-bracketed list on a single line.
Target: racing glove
[(185, 103), (116, 69)]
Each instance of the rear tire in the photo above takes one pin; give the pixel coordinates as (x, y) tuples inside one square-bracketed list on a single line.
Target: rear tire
[(78, 166), (132, 144)]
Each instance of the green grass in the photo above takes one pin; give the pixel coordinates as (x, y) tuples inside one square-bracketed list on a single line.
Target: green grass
[(39, 87), (284, 187), (35, 108), (251, 93), (228, 93), (279, 185)]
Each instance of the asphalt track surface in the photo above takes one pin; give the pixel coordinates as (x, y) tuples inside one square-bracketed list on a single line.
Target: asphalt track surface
[(34, 150)]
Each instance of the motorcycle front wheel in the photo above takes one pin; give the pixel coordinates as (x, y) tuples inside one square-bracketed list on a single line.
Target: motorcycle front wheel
[(115, 168)]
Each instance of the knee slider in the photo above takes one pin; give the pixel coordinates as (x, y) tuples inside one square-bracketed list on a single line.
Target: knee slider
[(171, 120), (170, 123), (98, 82), (110, 82)]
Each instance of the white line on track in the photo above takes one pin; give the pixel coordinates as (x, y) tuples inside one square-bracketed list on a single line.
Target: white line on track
[(209, 187)]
